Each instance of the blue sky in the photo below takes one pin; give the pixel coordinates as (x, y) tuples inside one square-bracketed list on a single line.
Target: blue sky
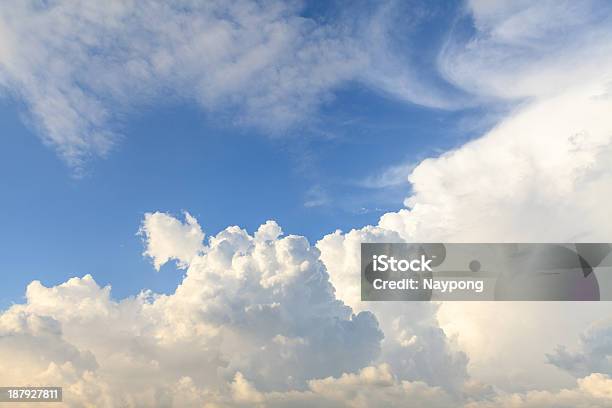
[(341, 166), (313, 177), (312, 180)]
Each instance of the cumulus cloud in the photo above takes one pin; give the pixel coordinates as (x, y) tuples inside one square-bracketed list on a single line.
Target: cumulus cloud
[(504, 340), (372, 386), (376, 386), (255, 322), (168, 239), (414, 345), (260, 305), (541, 174)]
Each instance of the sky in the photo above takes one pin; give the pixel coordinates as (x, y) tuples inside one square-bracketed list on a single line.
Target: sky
[(340, 168), (170, 157), (217, 165)]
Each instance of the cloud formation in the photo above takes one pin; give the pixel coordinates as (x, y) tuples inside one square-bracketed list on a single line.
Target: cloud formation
[(542, 174), (259, 305), (272, 321), (414, 346), (267, 65), (255, 322), (87, 64), (525, 49), (167, 238)]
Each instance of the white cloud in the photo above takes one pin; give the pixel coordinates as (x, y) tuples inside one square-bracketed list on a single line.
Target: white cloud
[(316, 196), (392, 176), (260, 305), (254, 63), (262, 64), (372, 386), (376, 386), (539, 175), (529, 49), (542, 174), (414, 344), (85, 65), (391, 35), (167, 238)]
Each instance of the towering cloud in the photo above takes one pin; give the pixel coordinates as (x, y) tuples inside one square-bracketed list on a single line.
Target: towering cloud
[(541, 174)]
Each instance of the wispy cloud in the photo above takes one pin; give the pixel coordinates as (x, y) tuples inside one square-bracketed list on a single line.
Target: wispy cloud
[(528, 49), (88, 63), (316, 196), (392, 176), (262, 64)]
